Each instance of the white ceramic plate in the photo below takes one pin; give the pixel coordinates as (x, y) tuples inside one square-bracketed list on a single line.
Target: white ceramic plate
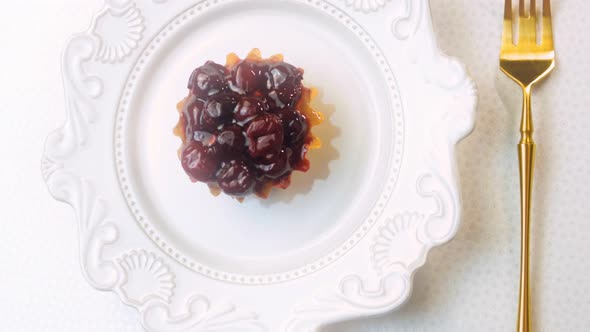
[(342, 242)]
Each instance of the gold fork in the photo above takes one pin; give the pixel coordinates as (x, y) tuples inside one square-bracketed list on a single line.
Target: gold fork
[(526, 62)]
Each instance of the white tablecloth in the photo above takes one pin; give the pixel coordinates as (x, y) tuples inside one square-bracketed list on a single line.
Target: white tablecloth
[(469, 285)]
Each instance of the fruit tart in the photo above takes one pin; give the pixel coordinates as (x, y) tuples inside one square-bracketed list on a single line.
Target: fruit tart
[(246, 126)]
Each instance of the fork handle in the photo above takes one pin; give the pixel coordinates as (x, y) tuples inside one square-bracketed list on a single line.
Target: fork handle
[(526, 157)]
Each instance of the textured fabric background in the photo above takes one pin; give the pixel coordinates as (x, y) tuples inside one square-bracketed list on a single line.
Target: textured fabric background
[(469, 285)]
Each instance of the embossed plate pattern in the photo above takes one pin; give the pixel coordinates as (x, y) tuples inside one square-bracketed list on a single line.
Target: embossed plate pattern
[(343, 242)]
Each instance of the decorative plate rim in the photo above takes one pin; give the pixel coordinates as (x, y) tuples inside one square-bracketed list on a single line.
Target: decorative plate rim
[(393, 163), (147, 279)]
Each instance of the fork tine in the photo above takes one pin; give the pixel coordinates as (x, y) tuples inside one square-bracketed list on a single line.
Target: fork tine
[(508, 9), (526, 25), (547, 33), (507, 29), (522, 8), (547, 8)]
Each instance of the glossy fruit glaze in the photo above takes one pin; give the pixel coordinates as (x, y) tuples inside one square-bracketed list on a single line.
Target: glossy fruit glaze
[(246, 126)]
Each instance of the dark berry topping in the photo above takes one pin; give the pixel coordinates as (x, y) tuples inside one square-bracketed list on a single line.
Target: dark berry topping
[(204, 137), (242, 130), (249, 108), (250, 77), (231, 139), (294, 125), (199, 161), (208, 80), (265, 135), (236, 178), (284, 73), (275, 165), (219, 110)]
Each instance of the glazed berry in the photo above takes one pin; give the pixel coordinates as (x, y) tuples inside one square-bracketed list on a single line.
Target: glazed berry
[(283, 73), (208, 80), (204, 137), (276, 166), (295, 126), (298, 158), (286, 85), (219, 110), (249, 108), (236, 178), (199, 161), (265, 135), (241, 128), (250, 77), (231, 139), (191, 115), (288, 95)]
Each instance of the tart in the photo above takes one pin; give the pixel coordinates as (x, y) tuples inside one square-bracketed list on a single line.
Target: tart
[(246, 126)]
